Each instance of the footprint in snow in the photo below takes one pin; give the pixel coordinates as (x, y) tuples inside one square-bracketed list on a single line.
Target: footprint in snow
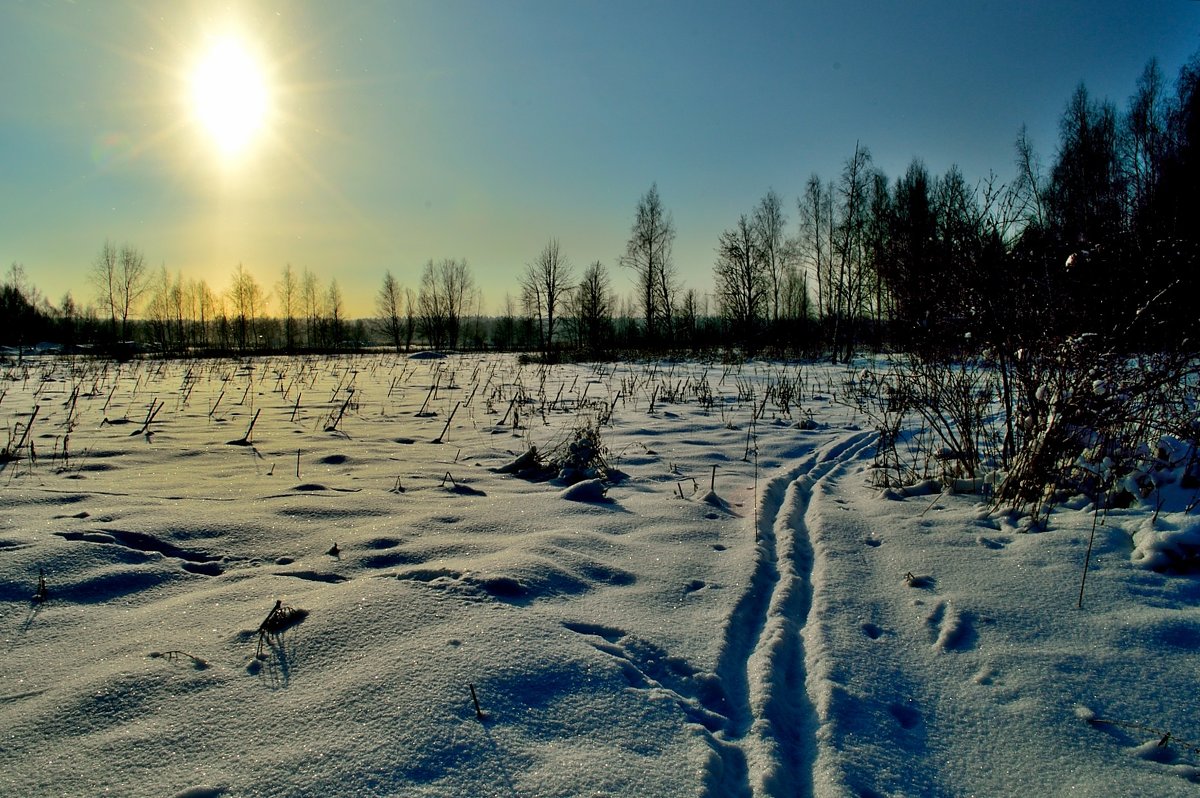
[(905, 715), (872, 631), (951, 628), (391, 559), (645, 666), (315, 576)]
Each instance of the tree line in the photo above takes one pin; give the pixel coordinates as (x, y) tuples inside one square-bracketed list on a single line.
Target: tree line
[(1102, 241)]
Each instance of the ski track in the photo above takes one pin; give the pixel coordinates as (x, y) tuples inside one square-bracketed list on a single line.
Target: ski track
[(768, 745)]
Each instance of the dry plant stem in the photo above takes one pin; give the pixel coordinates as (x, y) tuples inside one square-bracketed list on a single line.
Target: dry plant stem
[(42, 593), (1165, 738), (150, 415), (933, 503), (264, 627), (1088, 558), (475, 700), (446, 428), (333, 425), (28, 427), (432, 388), (175, 654), (508, 412), (249, 430)]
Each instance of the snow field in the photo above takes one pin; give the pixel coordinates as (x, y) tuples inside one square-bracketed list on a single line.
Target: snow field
[(790, 632)]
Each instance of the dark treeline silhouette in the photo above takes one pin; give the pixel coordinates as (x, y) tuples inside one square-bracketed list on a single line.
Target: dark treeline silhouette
[(1104, 242)]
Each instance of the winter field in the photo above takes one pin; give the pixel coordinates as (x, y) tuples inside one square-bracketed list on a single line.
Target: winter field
[(296, 576)]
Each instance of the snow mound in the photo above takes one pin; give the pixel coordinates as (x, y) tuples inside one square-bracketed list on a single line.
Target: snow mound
[(1170, 544), (589, 490)]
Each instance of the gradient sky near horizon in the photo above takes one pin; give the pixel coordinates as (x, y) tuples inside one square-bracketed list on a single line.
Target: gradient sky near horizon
[(399, 132)]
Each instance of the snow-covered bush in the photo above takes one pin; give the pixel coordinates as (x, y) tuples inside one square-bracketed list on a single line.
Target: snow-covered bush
[(1042, 424), (883, 399), (1100, 423), (580, 456), (954, 403)]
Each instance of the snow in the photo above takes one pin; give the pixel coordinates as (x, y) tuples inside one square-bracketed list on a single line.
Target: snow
[(775, 627)]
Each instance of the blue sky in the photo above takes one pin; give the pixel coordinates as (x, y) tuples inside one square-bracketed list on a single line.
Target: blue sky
[(405, 131)]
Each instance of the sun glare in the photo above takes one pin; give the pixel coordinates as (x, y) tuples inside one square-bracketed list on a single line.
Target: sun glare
[(229, 95)]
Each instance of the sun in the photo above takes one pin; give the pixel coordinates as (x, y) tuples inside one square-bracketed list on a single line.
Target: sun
[(229, 95)]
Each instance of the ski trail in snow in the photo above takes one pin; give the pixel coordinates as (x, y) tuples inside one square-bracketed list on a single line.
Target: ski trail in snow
[(768, 747)]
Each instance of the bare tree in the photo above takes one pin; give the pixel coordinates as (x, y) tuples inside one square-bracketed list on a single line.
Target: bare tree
[(160, 311), (410, 317), (288, 291), (648, 254), (389, 304), (104, 278), (202, 309), (1085, 201), (21, 318), (770, 223), (131, 284), (687, 317), (120, 278), (504, 332), (742, 280), (245, 299), (814, 244), (796, 303), (473, 332), (1030, 184), (432, 308), (310, 298), (68, 320), (335, 312), (457, 287), (593, 307), (446, 287), (1145, 135), (849, 256), (879, 215), (172, 300), (545, 286)]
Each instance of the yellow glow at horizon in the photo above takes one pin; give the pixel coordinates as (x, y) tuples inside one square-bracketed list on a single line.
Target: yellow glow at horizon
[(229, 95)]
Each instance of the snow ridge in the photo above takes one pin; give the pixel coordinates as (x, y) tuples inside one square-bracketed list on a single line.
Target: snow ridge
[(769, 739)]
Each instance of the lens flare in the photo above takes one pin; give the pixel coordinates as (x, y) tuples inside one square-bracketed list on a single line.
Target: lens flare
[(229, 95)]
